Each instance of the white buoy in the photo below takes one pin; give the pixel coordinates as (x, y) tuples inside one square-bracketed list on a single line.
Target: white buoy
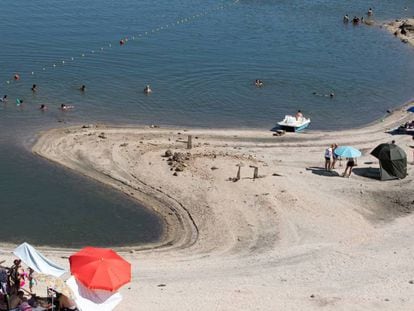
[(54, 65), (32, 73), (92, 51), (8, 82), (72, 58), (102, 49), (83, 55), (44, 68), (63, 61), (110, 45)]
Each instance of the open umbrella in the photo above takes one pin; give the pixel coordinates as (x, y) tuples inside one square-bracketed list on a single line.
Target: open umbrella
[(411, 109), (347, 152), (100, 268)]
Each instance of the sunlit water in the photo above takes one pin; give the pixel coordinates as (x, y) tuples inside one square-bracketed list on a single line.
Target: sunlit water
[(201, 72)]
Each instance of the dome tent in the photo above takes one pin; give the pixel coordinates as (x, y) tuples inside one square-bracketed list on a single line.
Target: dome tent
[(393, 161)]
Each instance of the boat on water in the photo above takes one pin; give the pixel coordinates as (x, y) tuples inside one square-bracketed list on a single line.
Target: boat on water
[(294, 124)]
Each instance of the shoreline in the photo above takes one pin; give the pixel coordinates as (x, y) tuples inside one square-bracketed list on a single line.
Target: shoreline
[(292, 233)]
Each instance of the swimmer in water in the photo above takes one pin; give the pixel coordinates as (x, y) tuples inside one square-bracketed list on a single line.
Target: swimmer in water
[(66, 107), (4, 99), (147, 89), (258, 83), (34, 88), (43, 107), (19, 101), (82, 88)]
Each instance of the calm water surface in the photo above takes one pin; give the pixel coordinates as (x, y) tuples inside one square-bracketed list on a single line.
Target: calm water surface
[(201, 73)]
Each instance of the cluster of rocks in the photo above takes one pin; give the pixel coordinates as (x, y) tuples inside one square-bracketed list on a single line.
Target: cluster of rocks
[(177, 161)]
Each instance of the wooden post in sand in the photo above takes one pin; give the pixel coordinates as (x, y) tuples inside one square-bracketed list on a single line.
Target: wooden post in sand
[(255, 172), (238, 173), (190, 142)]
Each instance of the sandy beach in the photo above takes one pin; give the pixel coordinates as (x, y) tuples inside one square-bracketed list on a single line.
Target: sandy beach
[(296, 238)]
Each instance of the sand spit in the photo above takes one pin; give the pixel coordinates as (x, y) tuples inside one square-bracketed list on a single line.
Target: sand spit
[(396, 27), (296, 238)]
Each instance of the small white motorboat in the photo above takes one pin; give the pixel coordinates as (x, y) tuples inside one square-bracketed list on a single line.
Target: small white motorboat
[(293, 124)]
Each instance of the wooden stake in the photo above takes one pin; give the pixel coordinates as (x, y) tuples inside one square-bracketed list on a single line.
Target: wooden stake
[(190, 142)]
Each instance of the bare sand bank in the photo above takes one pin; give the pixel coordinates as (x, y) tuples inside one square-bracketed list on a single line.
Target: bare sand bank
[(296, 238), (406, 35)]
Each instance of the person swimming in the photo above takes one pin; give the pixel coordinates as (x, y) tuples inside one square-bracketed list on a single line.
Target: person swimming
[(258, 83), (369, 12), (346, 18), (19, 101), (4, 99), (82, 88), (34, 88), (66, 107), (43, 107), (147, 89)]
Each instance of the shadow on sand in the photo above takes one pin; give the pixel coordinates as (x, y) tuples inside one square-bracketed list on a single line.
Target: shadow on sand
[(369, 172), (322, 172)]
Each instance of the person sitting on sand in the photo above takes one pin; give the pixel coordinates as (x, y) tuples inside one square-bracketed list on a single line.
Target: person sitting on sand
[(298, 115), (34, 88), (328, 156), (16, 300), (66, 303), (349, 166), (346, 19), (147, 89)]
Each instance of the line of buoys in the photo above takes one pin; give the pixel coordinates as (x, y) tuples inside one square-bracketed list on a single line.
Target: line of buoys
[(123, 41)]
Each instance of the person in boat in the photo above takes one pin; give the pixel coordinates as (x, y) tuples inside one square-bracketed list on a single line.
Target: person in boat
[(369, 13), (147, 89), (346, 19), (82, 88), (299, 115), (34, 88), (258, 83), (3, 99)]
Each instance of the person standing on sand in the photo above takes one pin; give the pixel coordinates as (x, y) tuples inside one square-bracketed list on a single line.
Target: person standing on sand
[(349, 165), (328, 156), (334, 156)]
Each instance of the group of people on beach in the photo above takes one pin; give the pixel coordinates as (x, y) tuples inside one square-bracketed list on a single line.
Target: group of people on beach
[(356, 20), (331, 158), (15, 296)]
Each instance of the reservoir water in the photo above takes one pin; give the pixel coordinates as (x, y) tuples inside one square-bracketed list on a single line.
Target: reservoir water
[(200, 59)]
